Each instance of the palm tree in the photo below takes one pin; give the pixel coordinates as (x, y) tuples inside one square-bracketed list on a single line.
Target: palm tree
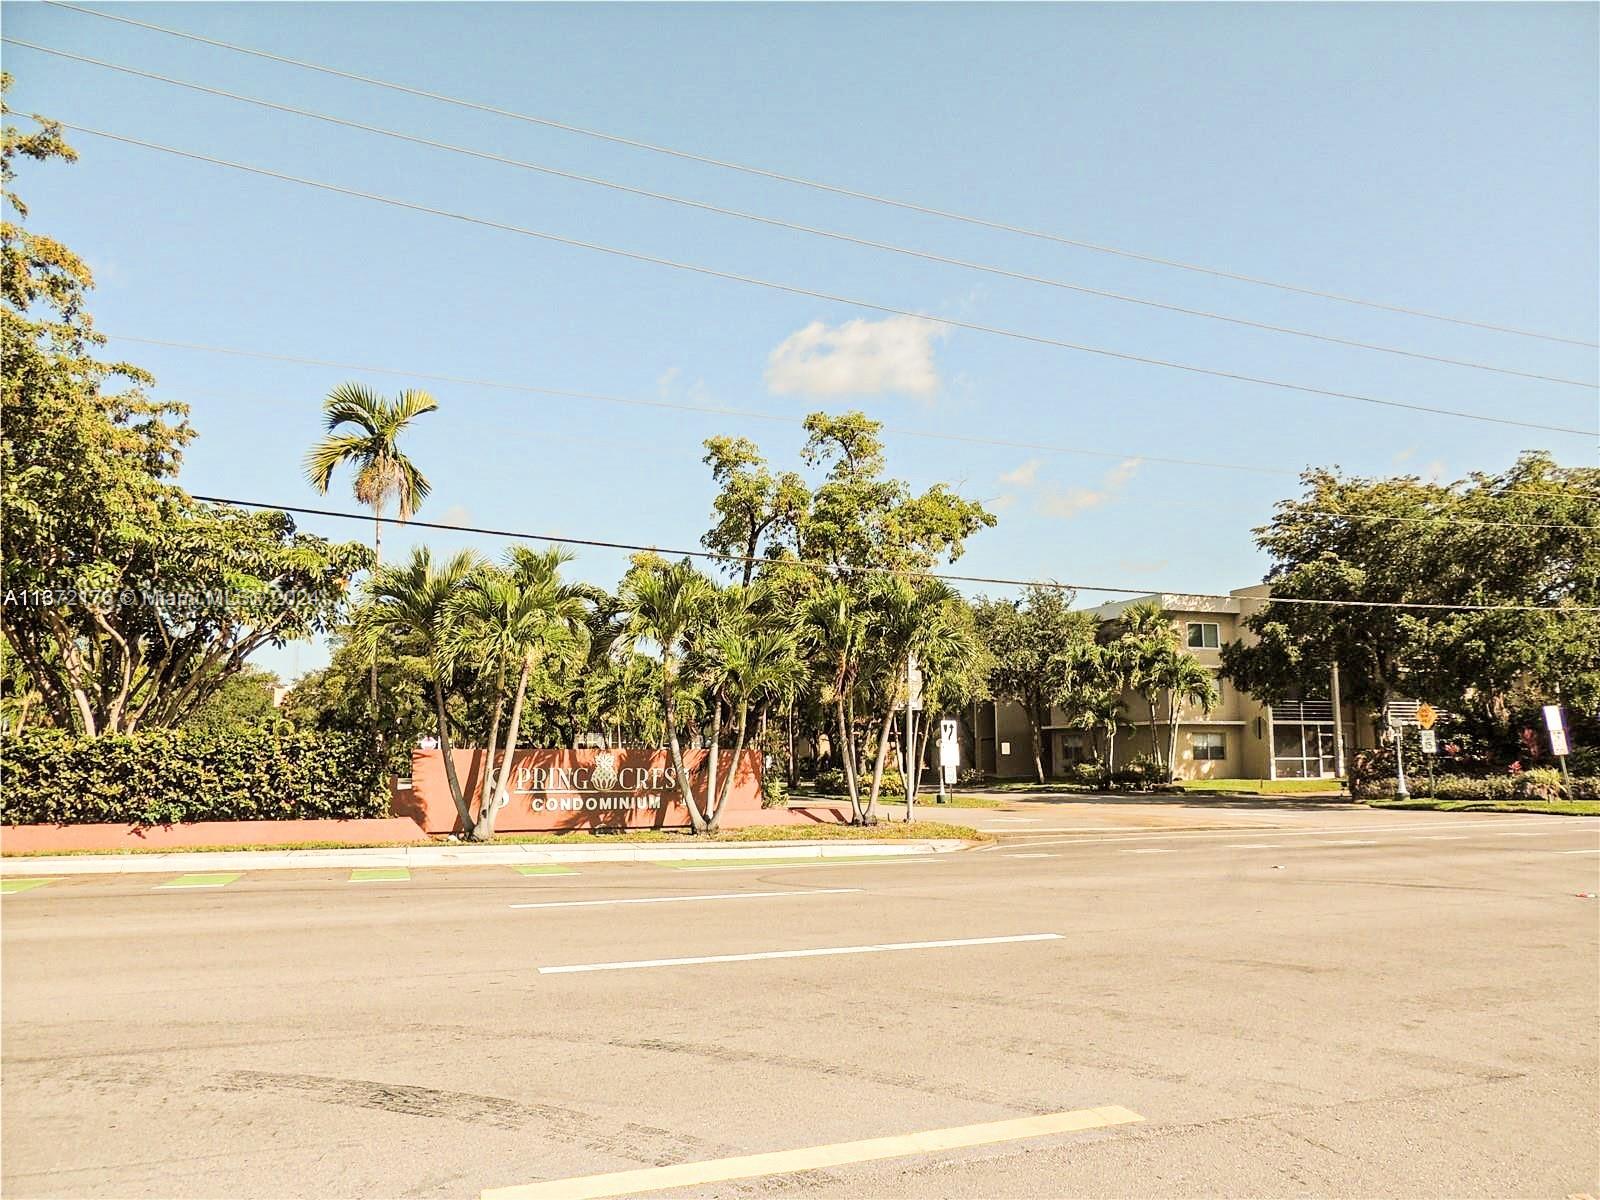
[(1147, 647), (1102, 712), (667, 602), (383, 472), (1184, 681), (413, 602), (833, 629), (758, 661), (513, 620)]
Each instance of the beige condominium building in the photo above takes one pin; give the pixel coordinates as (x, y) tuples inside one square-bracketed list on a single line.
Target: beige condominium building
[(1240, 738)]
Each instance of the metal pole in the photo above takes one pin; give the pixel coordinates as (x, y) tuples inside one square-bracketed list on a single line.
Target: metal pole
[(911, 740), (1400, 790), (1338, 724)]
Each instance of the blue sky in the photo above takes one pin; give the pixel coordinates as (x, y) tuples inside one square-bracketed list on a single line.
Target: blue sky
[(1440, 157)]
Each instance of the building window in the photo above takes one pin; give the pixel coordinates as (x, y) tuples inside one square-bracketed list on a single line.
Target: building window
[(1072, 748), (1204, 635), (1209, 747)]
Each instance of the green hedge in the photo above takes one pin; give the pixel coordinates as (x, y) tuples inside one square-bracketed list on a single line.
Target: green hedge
[(1538, 784), (168, 776)]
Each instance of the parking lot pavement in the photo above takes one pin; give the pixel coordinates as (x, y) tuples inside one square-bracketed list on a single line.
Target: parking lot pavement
[(1380, 1004)]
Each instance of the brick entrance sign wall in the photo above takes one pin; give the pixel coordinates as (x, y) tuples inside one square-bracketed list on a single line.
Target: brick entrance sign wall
[(583, 789)]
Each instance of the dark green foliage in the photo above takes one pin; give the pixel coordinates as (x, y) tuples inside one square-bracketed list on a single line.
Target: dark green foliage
[(168, 776)]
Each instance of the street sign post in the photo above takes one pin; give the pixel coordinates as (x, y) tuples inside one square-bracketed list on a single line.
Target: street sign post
[(1430, 746), (1555, 723), (949, 753)]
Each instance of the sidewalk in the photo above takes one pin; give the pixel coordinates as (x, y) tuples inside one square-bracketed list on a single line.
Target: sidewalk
[(464, 855)]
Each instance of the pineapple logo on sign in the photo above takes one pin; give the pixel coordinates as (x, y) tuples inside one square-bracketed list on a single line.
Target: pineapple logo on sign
[(604, 776)]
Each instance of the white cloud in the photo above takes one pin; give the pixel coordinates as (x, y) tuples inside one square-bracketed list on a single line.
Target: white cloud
[(1000, 503), (858, 358), (1069, 502), (1024, 475), (456, 514)]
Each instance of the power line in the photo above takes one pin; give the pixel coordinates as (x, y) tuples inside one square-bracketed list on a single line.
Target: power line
[(910, 252), (796, 290), (828, 568), (715, 410), (817, 185)]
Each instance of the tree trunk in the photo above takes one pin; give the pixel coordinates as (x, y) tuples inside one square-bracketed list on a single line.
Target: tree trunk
[(463, 805), (1172, 737), (845, 757), (486, 815), (877, 764), (685, 793), (486, 779), (733, 770), (377, 560), (713, 762), (916, 772), (1038, 742)]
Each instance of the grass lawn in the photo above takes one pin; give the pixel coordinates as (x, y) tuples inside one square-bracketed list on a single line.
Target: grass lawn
[(1569, 808), (924, 800), (1269, 787)]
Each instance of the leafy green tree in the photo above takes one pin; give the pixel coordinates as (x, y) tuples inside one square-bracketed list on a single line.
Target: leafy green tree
[(753, 506), (1041, 652), (127, 604), (834, 632), (1146, 646), (1101, 711), (244, 702), (1524, 537)]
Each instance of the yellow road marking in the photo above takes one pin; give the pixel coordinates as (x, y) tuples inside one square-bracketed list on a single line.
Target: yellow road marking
[(812, 1158)]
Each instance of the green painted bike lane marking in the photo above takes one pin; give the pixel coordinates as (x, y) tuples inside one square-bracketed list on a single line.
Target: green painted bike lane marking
[(380, 875), (213, 880), (544, 869), (11, 886)]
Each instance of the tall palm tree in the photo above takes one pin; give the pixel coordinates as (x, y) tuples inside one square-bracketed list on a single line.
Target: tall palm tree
[(383, 472), (412, 601), (1147, 647), (511, 621), (833, 629), (1184, 681), (667, 602), (754, 662)]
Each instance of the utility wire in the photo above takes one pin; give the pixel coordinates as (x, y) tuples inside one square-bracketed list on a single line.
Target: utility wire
[(1130, 456), (835, 235), (816, 185), (814, 294), (829, 568)]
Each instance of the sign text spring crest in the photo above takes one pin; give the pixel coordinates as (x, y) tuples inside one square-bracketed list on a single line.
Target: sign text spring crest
[(601, 787), (583, 789)]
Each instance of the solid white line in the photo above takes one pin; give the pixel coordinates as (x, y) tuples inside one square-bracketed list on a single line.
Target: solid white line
[(812, 1158), (1252, 846), (897, 860), (1028, 856), (1349, 842), (1324, 832), (1578, 851), (1153, 850), (684, 899), (819, 952)]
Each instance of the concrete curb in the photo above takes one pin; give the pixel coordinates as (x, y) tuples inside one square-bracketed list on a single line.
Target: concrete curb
[(516, 854)]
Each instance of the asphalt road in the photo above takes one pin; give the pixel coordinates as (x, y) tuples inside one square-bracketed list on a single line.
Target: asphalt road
[(1296, 1000)]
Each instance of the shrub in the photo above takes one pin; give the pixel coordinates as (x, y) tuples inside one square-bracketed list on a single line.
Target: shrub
[(168, 776), (774, 790), (1087, 773), (967, 776), (830, 780), (1491, 789)]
